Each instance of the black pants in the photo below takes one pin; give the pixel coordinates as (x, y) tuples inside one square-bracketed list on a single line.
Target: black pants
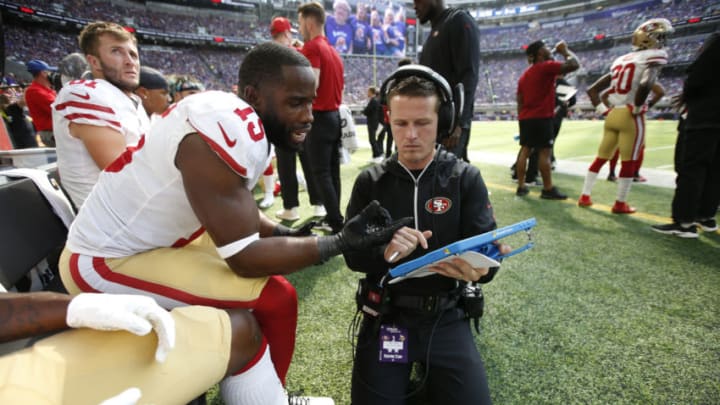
[(697, 194), (287, 167), (460, 150), (323, 148), (385, 131), (455, 372), (375, 146)]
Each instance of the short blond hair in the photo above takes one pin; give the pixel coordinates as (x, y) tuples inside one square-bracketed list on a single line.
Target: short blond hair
[(89, 38)]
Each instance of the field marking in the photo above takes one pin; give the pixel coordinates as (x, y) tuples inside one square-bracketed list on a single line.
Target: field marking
[(597, 207)]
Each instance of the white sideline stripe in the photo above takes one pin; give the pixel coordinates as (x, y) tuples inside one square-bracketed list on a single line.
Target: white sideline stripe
[(88, 273), (655, 177)]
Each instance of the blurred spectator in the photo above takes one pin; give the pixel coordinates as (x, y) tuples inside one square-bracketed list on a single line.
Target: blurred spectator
[(338, 28), (12, 108), (154, 91), (39, 96), (362, 37)]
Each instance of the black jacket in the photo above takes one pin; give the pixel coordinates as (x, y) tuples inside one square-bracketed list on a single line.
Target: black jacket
[(456, 190), (373, 112), (702, 86)]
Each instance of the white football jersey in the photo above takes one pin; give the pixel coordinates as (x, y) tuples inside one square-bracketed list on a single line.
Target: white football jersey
[(626, 72), (98, 103), (139, 202)]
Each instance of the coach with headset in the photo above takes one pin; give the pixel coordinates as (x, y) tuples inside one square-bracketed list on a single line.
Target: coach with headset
[(423, 321)]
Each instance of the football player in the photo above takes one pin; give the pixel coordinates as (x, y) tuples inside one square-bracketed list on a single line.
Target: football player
[(631, 79), (175, 218), (95, 120)]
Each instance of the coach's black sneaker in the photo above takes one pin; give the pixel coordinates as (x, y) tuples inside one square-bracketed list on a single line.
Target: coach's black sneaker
[(522, 191), (707, 225), (676, 229), (553, 194)]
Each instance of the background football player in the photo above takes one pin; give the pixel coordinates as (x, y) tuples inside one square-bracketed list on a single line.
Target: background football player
[(630, 81)]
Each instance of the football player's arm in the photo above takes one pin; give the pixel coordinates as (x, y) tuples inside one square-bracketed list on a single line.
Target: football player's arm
[(227, 210), (647, 80), (104, 144), (29, 314), (465, 46), (594, 92), (657, 92)]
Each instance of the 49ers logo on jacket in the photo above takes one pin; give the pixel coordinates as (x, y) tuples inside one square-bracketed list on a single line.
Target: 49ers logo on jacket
[(438, 205)]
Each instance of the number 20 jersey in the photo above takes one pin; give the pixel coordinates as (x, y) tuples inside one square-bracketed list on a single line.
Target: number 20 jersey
[(139, 202), (627, 71)]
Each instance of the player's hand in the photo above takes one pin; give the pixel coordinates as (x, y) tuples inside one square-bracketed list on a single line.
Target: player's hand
[(638, 109), (373, 226), (405, 241), (128, 397), (601, 109), (134, 313), (450, 142)]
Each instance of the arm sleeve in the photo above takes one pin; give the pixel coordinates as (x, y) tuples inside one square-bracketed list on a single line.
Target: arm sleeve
[(369, 261), (88, 103), (465, 43)]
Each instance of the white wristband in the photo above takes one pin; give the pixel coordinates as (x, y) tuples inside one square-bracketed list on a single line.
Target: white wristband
[(601, 109), (234, 247)]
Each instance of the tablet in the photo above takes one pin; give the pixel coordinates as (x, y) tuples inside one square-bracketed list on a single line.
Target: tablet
[(467, 249)]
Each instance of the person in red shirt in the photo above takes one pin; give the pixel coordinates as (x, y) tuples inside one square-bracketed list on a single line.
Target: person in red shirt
[(323, 141), (39, 96), (536, 109)]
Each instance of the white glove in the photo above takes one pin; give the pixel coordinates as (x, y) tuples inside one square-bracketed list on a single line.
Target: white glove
[(134, 313), (128, 397)]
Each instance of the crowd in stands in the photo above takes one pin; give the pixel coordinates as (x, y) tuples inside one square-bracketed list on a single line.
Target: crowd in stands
[(577, 28), (217, 68)]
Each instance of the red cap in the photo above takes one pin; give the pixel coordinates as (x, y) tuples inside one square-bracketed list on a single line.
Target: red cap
[(279, 25)]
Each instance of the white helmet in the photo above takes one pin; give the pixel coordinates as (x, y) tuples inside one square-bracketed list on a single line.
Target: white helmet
[(651, 34)]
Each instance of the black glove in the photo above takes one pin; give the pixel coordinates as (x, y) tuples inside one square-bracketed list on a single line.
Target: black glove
[(373, 226), (305, 230)]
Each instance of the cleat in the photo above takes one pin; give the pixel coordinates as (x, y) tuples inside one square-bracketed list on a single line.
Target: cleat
[(553, 194), (277, 189), (584, 201), (319, 211), (323, 226), (639, 179), (677, 230), (288, 215), (707, 225), (611, 177), (522, 191), (622, 207)]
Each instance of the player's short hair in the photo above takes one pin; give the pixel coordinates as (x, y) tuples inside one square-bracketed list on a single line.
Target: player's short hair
[(533, 48), (264, 63), (89, 37), (314, 10), (415, 86)]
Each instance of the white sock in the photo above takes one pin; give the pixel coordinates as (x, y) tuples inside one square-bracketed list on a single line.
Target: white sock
[(624, 184), (258, 385), (269, 182), (590, 178)]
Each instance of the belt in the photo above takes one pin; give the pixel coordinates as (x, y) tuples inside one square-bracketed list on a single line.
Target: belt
[(427, 303)]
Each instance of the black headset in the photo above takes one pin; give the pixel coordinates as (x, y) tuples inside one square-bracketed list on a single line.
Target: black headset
[(449, 112)]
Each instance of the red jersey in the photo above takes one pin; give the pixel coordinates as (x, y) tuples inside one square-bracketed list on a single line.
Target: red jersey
[(38, 99), (324, 57), (537, 89)]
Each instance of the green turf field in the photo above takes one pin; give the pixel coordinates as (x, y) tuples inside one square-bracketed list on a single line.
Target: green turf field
[(601, 311)]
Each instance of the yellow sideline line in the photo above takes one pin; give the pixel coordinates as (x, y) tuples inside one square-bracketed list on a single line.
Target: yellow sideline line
[(597, 207)]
